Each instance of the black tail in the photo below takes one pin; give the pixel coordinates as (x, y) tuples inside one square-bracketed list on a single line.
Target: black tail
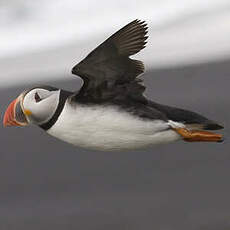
[(186, 117)]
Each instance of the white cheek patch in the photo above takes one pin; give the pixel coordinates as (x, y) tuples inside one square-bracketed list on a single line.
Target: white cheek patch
[(43, 110)]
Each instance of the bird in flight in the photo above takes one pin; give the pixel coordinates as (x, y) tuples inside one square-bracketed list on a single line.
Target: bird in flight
[(110, 111)]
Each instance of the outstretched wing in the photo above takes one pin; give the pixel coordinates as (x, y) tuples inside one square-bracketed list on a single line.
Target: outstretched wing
[(108, 72)]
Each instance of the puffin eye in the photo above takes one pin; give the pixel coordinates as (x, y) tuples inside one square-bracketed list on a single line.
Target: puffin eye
[(37, 97)]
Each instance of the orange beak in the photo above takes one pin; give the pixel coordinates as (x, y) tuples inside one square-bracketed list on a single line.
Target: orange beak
[(14, 115)]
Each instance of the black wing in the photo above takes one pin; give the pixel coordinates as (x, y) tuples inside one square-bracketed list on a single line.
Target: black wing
[(108, 72)]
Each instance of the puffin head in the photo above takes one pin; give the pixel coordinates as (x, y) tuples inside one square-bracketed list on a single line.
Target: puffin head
[(34, 106)]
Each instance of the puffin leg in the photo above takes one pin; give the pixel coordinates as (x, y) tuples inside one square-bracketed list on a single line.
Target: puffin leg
[(198, 135)]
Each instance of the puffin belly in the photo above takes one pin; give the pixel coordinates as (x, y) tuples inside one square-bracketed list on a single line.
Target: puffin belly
[(109, 129)]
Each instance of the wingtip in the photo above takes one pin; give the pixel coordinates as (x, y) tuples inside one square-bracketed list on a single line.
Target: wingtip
[(140, 22), (132, 38)]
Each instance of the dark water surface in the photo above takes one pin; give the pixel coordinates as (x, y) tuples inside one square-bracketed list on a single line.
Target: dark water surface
[(48, 184)]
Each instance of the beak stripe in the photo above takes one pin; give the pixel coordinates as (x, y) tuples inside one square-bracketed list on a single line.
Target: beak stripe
[(19, 115)]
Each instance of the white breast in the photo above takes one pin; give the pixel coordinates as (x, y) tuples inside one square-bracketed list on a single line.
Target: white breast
[(107, 128)]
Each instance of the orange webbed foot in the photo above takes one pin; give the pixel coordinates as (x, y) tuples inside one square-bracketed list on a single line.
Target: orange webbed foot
[(198, 135)]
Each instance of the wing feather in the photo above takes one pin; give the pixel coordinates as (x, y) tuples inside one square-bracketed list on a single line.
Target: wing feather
[(108, 67)]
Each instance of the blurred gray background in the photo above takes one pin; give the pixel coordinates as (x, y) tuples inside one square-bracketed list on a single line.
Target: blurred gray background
[(48, 184)]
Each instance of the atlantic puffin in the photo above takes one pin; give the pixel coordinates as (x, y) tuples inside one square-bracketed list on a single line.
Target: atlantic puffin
[(110, 111)]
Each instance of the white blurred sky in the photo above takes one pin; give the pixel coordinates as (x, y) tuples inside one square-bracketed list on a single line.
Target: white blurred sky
[(46, 37)]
